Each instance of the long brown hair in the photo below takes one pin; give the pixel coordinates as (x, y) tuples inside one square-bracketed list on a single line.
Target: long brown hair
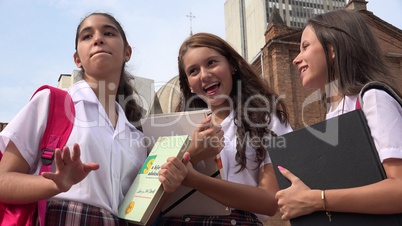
[(132, 109), (358, 56), (246, 85)]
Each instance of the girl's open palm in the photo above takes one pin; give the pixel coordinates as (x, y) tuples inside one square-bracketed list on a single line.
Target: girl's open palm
[(69, 168)]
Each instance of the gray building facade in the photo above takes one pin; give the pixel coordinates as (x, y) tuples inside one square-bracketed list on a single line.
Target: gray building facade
[(246, 20)]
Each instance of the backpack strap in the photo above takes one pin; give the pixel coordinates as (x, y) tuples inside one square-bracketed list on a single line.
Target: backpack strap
[(380, 86), (58, 128)]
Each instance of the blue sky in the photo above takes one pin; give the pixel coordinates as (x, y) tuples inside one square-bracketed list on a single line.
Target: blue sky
[(37, 41)]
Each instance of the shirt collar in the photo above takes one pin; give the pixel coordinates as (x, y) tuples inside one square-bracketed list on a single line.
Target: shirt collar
[(347, 104), (81, 91)]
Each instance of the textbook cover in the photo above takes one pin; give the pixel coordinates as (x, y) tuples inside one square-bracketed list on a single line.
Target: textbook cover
[(146, 191), (181, 202)]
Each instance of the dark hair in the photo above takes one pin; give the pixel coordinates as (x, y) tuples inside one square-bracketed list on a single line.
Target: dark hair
[(246, 85), (132, 110), (358, 56)]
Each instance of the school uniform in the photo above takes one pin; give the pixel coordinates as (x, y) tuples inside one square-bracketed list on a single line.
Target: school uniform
[(383, 114), (248, 176), (119, 151)]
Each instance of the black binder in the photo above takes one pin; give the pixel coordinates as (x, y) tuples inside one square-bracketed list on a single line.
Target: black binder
[(336, 153)]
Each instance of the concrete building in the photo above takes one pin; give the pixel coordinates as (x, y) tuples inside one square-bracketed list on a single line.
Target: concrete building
[(247, 20)]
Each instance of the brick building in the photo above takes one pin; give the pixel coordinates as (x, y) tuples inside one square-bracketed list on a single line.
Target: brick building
[(282, 46), (274, 63)]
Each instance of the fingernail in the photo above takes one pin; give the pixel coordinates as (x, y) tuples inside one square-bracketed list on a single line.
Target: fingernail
[(280, 168)]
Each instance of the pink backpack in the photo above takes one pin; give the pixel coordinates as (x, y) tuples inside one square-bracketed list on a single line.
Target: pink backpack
[(58, 128)]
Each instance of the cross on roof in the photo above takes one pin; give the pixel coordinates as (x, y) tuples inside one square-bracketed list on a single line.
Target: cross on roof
[(191, 20)]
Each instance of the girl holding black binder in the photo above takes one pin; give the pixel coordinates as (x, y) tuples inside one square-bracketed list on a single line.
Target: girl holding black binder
[(339, 54)]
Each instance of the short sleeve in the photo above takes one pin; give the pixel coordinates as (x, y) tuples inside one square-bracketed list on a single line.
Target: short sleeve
[(27, 127), (278, 127), (384, 117)]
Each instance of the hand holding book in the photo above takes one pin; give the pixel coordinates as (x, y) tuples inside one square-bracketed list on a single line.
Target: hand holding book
[(173, 172), (350, 164), (181, 201), (297, 188), (145, 197)]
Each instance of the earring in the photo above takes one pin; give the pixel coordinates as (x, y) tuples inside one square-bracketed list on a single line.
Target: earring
[(191, 90)]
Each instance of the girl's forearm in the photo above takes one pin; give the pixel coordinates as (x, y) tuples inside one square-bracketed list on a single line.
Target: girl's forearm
[(18, 188)]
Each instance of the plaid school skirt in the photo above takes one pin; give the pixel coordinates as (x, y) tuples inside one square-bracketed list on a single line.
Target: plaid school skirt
[(237, 217), (63, 212)]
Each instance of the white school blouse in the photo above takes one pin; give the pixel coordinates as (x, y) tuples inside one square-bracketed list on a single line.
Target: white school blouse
[(384, 117), (249, 175), (119, 151)]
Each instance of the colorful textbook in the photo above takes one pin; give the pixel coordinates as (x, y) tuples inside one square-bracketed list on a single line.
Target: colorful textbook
[(183, 200), (142, 199)]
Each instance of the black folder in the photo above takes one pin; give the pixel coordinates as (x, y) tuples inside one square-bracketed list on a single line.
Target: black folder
[(336, 153)]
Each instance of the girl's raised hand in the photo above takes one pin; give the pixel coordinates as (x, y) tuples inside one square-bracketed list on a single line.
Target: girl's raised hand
[(69, 168)]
